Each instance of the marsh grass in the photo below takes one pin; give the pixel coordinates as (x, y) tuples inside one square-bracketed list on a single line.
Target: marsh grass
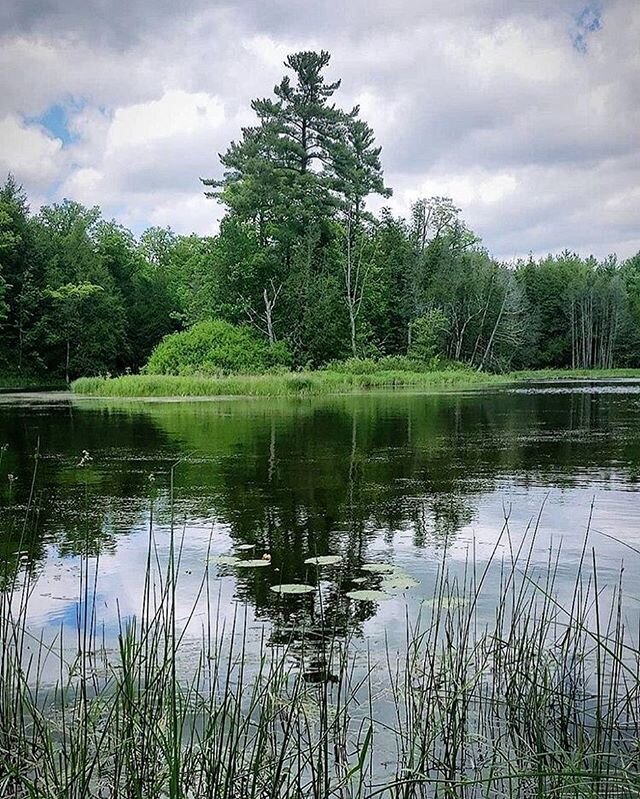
[(273, 385), (326, 381), (542, 700)]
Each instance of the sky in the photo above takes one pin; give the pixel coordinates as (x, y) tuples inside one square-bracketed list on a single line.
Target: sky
[(525, 112)]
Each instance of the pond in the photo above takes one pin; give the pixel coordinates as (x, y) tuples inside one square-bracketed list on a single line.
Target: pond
[(409, 480)]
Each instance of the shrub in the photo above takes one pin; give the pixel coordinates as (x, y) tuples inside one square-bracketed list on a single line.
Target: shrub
[(388, 363), (213, 348), (428, 335)]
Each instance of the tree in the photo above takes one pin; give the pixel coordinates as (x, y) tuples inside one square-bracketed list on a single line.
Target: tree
[(358, 173), (68, 302), (304, 165), (428, 335), (21, 276)]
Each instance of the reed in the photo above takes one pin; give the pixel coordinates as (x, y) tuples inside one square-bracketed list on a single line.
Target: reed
[(542, 701), (326, 381), (280, 384)]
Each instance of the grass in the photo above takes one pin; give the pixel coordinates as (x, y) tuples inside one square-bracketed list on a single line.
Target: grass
[(576, 374), (542, 701), (325, 381), (273, 385)]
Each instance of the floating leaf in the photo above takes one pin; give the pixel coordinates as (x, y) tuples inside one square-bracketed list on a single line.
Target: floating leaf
[(224, 560), (293, 588), (359, 580), (324, 560), (368, 596), (250, 564), (445, 602), (400, 582), (378, 568), (245, 547)]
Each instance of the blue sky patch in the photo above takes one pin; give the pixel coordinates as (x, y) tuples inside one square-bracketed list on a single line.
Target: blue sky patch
[(588, 21), (55, 120)]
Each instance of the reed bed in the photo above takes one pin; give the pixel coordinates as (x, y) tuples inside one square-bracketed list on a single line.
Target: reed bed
[(274, 385), (324, 381), (540, 701)]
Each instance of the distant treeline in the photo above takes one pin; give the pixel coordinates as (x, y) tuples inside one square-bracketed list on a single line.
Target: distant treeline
[(301, 261)]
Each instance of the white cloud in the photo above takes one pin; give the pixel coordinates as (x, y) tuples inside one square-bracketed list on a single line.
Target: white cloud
[(176, 113), (28, 152), (143, 162), (535, 138)]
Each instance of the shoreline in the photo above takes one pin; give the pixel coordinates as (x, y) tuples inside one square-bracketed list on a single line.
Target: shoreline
[(326, 382)]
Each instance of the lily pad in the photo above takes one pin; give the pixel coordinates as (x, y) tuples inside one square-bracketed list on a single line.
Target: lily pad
[(324, 560), (293, 588), (368, 596), (379, 568), (250, 564), (445, 602), (359, 580), (245, 547), (224, 560), (400, 582)]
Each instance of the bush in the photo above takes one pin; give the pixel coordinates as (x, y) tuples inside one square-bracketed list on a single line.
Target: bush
[(388, 363), (428, 335), (215, 348)]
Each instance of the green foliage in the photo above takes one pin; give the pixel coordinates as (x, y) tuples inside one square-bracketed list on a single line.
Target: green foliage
[(428, 334), (387, 363), (212, 348), (301, 261), (326, 381)]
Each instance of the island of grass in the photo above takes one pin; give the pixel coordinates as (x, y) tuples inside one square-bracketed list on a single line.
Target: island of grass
[(215, 358), (326, 381)]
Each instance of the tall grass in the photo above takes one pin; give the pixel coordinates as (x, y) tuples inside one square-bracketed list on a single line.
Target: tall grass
[(543, 701), (284, 384), (357, 376)]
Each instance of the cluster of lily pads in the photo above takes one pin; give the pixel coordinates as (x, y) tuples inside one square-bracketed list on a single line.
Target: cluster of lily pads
[(393, 578)]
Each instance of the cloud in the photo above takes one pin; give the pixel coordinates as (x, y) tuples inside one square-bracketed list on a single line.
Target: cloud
[(29, 152), (527, 114), (143, 162)]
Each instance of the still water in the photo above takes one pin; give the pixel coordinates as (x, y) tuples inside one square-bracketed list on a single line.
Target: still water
[(413, 480)]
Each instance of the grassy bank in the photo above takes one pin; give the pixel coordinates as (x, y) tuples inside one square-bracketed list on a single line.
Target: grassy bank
[(576, 374), (540, 702), (318, 382)]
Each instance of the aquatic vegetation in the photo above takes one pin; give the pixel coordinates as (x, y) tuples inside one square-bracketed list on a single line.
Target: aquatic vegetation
[(324, 381), (224, 560), (543, 701), (252, 563), (292, 588), (399, 582), (379, 568), (324, 560), (365, 595)]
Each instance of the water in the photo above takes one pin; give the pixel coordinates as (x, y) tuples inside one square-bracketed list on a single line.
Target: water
[(412, 480)]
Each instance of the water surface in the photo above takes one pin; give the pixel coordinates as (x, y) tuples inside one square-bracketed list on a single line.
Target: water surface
[(414, 480)]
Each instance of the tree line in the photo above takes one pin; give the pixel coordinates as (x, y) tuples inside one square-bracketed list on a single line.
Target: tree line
[(302, 261)]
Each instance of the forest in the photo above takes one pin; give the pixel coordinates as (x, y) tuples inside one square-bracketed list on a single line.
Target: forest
[(301, 273)]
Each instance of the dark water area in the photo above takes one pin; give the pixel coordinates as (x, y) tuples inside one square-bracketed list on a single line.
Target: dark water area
[(412, 480)]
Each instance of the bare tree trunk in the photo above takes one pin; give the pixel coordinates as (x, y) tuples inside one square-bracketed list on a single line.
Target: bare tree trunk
[(356, 274), (352, 325), (268, 315), (264, 321), (481, 330), (493, 333)]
